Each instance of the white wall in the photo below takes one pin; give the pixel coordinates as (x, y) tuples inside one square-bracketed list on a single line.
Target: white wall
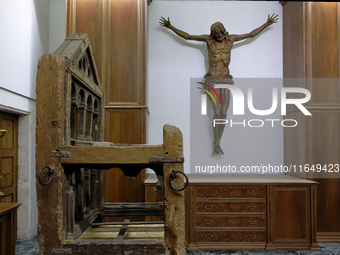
[(21, 45), (172, 61), (34, 27), (24, 25), (57, 24)]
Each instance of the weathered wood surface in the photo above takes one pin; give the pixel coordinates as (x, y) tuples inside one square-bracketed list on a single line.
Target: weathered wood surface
[(76, 47), (50, 95), (174, 229), (132, 209), (132, 223), (132, 154), (123, 247)]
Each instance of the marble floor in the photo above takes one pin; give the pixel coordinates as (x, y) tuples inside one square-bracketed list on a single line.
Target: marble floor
[(327, 249), (31, 247), (27, 247)]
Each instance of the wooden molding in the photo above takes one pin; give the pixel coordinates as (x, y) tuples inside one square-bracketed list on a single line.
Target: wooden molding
[(324, 237), (71, 17)]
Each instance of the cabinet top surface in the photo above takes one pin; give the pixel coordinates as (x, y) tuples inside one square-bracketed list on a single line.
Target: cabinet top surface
[(5, 207), (236, 179)]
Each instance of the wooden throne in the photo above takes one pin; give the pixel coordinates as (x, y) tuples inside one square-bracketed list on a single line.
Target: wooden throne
[(71, 156)]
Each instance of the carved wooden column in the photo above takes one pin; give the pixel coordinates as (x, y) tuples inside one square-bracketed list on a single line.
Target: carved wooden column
[(74, 107), (95, 123), (89, 119), (79, 179), (81, 116)]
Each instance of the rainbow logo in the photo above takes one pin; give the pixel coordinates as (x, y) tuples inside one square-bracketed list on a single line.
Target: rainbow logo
[(208, 92)]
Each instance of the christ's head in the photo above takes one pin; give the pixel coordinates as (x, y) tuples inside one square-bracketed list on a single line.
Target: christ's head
[(218, 32)]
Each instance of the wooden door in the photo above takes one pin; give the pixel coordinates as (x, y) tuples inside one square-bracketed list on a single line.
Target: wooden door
[(9, 158), (311, 43), (117, 31)]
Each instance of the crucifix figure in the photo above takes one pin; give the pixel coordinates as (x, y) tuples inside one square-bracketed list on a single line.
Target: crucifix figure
[(219, 45)]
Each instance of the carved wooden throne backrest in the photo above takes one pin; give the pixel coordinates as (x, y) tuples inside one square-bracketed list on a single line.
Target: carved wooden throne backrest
[(84, 97), (71, 157)]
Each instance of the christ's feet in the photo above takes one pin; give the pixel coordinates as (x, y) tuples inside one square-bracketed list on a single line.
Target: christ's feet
[(217, 149)]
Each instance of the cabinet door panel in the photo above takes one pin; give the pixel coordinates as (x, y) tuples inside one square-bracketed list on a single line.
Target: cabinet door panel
[(291, 214)]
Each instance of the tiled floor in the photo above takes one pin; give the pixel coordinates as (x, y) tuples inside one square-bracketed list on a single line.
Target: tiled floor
[(27, 247), (327, 249), (31, 247)]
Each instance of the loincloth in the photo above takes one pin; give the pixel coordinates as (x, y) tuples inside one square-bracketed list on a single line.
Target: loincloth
[(212, 81)]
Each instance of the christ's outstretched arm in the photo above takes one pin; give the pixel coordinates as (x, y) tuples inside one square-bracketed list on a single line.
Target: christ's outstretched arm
[(166, 23), (271, 20)]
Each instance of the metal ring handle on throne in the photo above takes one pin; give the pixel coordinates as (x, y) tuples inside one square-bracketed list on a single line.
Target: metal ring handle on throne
[(173, 176), (50, 172)]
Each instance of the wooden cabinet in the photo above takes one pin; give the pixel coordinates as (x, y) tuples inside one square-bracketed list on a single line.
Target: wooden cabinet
[(248, 212), (8, 228), (227, 215)]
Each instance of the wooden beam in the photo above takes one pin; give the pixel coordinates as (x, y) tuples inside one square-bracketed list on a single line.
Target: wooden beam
[(134, 154), (123, 230), (132, 209), (127, 223)]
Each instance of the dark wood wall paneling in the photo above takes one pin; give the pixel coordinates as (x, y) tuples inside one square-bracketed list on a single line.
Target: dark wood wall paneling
[(311, 50), (117, 31)]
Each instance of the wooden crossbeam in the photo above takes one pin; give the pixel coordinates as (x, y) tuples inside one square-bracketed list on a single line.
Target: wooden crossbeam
[(134, 154), (127, 223), (132, 209)]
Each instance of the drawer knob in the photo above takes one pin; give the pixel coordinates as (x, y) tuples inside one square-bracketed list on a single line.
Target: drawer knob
[(252, 208), (208, 222), (209, 208), (208, 194), (208, 237), (252, 193), (252, 223), (252, 237)]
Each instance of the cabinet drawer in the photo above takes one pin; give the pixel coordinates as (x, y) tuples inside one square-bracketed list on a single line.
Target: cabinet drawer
[(230, 192), (230, 236), (230, 221), (230, 207)]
